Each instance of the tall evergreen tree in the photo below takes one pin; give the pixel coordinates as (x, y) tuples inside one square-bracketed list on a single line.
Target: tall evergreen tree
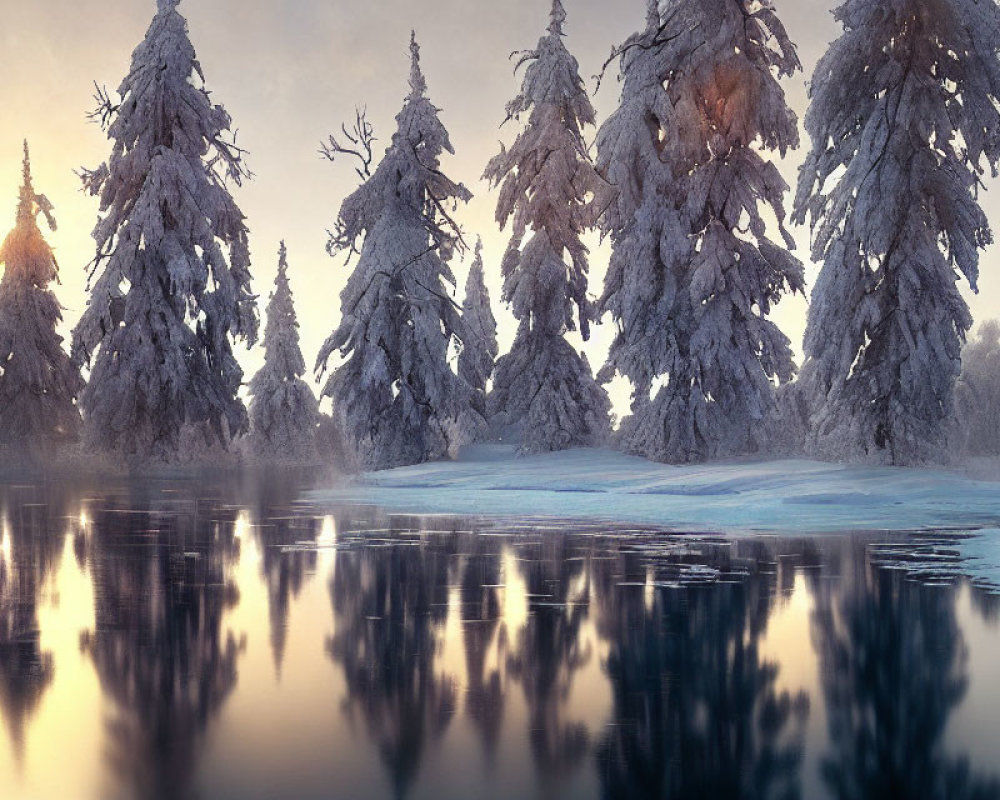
[(477, 360), (38, 382), (694, 274), (548, 184), (395, 395), (283, 409), (904, 114), (171, 281)]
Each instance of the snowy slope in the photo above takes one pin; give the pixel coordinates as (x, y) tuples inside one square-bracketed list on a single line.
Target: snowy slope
[(737, 497)]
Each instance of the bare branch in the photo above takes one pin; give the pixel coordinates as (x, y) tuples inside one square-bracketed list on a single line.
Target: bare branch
[(359, 141), (523, 56), (105, 110)]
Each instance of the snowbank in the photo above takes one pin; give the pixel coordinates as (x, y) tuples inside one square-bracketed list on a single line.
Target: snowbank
[(735, 497)]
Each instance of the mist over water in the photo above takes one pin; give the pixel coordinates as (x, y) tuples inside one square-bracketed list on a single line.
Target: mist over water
[(218, 638)]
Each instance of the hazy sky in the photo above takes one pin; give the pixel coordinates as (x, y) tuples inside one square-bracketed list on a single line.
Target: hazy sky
[(288, 72)]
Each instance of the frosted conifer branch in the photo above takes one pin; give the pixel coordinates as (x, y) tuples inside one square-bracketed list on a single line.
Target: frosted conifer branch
[(658, 38), (93, 179), (231, 156)]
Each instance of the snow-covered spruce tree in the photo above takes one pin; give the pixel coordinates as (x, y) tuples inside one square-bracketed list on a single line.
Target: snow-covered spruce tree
[(283, 409), (904, 113), (479, 351), (395, 395), (639, 286), (171, 281), (694, 275), (38, 382), (548, 184)]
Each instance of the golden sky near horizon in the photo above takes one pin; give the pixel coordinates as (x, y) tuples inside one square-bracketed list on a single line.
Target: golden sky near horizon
[(288, 73)]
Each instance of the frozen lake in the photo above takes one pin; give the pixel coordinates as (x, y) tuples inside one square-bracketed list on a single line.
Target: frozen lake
[(225, 639)]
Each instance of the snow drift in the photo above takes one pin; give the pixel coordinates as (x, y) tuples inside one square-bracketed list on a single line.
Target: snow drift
[(792, 496)]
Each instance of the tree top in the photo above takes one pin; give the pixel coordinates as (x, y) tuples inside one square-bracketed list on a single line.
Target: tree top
[(557, 17), (282, 257), (29, 203), (418, 85), (26, 205)]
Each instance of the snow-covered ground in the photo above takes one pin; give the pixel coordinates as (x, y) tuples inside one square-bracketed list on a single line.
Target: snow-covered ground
[(732, 497), (773, 497)]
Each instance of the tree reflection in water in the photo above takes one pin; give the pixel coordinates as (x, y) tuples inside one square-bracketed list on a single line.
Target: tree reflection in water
[(894, 669), (159, 568), (548, 650), (987, 604), (580, 661), (390, 604), (284, 534), (696, 709), (34, 528), (481, 626)]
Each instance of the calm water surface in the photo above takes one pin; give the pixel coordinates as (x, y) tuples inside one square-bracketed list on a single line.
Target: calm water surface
[(219, 639)]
